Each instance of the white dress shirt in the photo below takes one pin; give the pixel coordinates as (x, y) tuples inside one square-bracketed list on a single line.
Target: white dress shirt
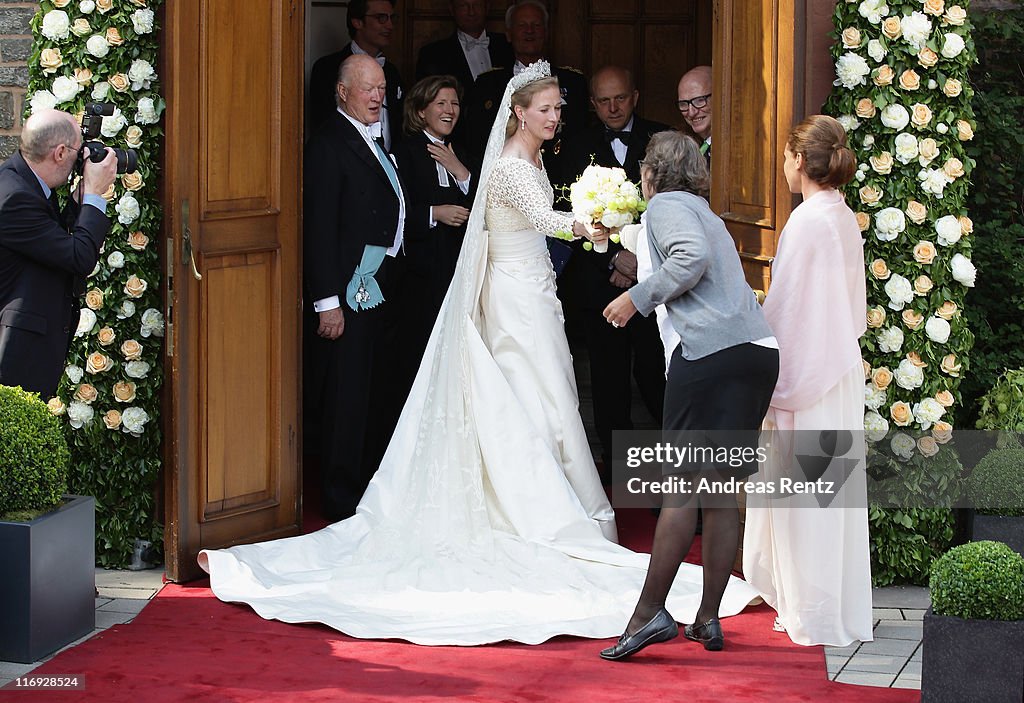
[(385, 120), (620, 149), (444, 178), (368, 133), (476, 50)]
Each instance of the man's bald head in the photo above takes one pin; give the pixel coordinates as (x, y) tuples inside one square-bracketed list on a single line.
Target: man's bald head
[(44, 131), (695, 85), (360, 88), (614, 96)]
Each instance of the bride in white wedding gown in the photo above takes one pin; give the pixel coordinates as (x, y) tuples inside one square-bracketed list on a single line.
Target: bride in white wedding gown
[(486, 520)]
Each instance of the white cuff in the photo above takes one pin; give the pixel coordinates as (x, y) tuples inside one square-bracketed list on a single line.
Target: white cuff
[(433, 222), (464, 185), (325, 304)]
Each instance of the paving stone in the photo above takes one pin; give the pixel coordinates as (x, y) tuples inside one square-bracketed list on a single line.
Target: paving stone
[(834, 664), (912, 669), (888, 646), (148, 578), (879, 664), (907, 682), (917, 654), (900, 630), (901, 597), (887, 613), (863, 678), (132, 606), (847, 651), (105, 619), (913, 613), (132, 593)]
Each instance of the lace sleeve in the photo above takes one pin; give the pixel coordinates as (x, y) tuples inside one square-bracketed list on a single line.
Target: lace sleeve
[(519, 185)]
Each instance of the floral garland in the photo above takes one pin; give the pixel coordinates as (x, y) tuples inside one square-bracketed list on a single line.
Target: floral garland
[(902, 95), (105, 51)]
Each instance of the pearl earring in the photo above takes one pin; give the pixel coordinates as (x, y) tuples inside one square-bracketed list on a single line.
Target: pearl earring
[(523, 124)]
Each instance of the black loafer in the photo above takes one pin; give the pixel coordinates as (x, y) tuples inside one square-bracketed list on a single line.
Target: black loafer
[(661, 628), (709, 634)]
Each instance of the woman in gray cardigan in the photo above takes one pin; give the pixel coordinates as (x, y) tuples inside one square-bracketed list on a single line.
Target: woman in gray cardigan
[(723, 367)]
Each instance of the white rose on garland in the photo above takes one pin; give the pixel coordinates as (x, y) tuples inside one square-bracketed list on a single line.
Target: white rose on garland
[(874, 397), (152, 323), (74, 373), (875, 426), (86, 6), (876, 51), (136, 369), (937, 330), (895, 116), (906, 147), (56, 26), (65, 89), (890, 223), (147, 113), (115, 260), (134, 420), (928, 412), (890, 340), (98, 46), (963, 270), (141, 74), (43, 100), (948, 229), (916, 29), (899, 290), (952, 45), (908, 375), (873, 10), (851, 70), (79, 414), (112, 124), (126, 310), (100, 90), (142, 21), (86, 322), (127, 208), (933, 181), (902, 445)]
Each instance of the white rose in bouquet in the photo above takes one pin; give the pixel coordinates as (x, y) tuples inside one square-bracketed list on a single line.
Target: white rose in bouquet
[(133, 421), (141, 74), (100, 90), (136, 369), (152, 323), (86, 6), (74, 373), (902, 445), (963, 270), (876, 50), (849, 122), (79, 414), (147, 113), (115, 260), (874, 397), (127, 209), (126, 310), (112, 124), (948, 229), (934, 181), (928, 412), (142, 21), (603, 195), (65, 89), (873, 10)]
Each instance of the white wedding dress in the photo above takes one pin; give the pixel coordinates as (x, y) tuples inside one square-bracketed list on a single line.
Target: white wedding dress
[(486, 520)]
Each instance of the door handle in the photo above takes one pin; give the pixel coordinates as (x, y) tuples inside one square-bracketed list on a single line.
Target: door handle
[(186, 241)]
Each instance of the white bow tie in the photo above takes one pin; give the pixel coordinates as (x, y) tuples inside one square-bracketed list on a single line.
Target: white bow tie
[(483, 40), (374, 130)]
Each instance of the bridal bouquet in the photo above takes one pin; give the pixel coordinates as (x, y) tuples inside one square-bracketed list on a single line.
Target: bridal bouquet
[(603, 195)]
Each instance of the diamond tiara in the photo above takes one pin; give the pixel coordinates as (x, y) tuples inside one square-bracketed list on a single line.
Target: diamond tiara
[(536, 71)]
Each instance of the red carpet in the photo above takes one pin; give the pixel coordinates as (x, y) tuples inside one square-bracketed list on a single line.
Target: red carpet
[(186, 645)]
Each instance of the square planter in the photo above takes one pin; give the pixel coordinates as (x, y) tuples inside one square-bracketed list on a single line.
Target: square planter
[(47, 593), (972, 660), (1008, 530)]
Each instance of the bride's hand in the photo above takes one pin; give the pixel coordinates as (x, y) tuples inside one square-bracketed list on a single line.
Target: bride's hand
[(596, 233), (445, 156)]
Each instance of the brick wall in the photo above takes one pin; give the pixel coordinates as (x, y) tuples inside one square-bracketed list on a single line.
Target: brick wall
[(15, 49)]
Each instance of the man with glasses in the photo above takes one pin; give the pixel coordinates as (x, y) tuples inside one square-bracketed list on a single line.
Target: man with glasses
[(695, 105), (591, 280), (370, 24), (46, 253)]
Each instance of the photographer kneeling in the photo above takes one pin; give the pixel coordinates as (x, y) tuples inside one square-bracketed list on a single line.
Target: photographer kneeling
[(45, 254)]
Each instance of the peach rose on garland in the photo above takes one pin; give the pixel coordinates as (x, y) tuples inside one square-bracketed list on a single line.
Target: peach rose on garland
[(113, 36), (950, 365), (952, 88), (964, 132), (942, 431), (884, 75), (131, 350), (94, 299), (97, 362), (871, 196), (916, 212), (112, 419), (934, 7), (880, 270), (137, 241), (881, 378), (891, 27), (851, 37), (863, 221), (927, 446), (124, 391), (901, 414), (50, 60), (882, 163), (955, 16), (106, 336), (875, 317), (912, 319), (966, 224), (909, 80), (927, 58), (86, 393), (56, 406), (954, 167), (923, 285), (135, 286), (915, 359), (924, 252), (945, 399), (948, 310)]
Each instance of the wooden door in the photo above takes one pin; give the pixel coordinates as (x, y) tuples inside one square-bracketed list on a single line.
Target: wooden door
[(232, 192), (757, 84)]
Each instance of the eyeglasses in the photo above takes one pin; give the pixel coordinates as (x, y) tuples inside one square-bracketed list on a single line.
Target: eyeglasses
[(384, 17), (697, 103)]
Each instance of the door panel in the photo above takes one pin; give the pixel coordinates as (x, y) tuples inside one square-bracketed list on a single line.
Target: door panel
[(753, 107), (232, 191)]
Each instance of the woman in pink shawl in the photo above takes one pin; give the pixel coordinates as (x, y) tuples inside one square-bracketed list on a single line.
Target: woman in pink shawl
[(808, 555)]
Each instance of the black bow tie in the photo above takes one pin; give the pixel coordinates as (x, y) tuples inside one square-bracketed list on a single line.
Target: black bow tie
[(611, 135)]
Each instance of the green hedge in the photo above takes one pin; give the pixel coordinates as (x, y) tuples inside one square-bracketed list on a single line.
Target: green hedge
[(979, 580), (33, 456)]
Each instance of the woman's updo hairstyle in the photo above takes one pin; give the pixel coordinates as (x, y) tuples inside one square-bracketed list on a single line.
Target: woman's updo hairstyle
[(828, 161), (523, 97)]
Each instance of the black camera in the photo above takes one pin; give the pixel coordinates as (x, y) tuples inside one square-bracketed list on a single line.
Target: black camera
[(92, 120)]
